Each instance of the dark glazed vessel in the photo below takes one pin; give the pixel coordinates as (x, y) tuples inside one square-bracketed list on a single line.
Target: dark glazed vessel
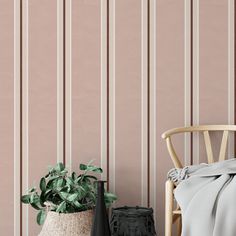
[(100, 222)]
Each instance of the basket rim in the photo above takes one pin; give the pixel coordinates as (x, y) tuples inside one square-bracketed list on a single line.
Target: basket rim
[(72, 213)]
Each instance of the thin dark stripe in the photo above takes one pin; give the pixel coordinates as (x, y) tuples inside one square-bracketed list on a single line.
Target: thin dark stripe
[(191, 80), (64, 82), (21, 112), (108, 93), (148, 101)]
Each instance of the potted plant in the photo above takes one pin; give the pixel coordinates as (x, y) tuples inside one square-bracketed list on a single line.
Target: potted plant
[(66, 201)]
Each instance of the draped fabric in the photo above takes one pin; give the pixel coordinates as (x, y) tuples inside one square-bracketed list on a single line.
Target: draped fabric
[(206, 194)]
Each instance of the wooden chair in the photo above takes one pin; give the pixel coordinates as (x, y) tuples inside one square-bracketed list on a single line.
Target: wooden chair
[(172, 213)]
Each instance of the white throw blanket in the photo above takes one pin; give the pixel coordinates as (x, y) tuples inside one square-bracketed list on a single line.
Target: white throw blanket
[(206, 194)]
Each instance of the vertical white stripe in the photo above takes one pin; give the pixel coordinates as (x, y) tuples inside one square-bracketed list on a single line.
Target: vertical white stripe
[(231, 91), (104, 87), (153, 97), (25, 124), (68, 86), (17, 161), (187, 79), (112, 89), (196, 79), (60, 81), (144, 99)]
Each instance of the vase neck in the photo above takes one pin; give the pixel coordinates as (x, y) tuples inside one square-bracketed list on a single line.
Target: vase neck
[(100, 189)]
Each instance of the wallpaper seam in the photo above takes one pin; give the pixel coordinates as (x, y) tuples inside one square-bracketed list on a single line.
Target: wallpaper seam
[(144, 102), (17, 117), (234, 74), (112, 96), (25, 113), (195, 79), (68, 86), (60, 81), (153, 170), (108, 94), (148, 104), (64, 84), (231, 85), (104, 101), (187, 81)]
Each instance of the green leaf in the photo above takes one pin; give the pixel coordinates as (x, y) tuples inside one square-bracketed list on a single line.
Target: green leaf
[(47, 175), (41, 217), (70, 181), (45, 195), (83, 167), (61, 207), (35, 206), (42, 185), (52, 183), (92, 196), (51, 178), (80, 177), (91, 177), (31, 190), (90, 168), (68, 188), (63, 173), (64, 195), (25, 199), (32, 198), (59, 167), (73, 175), (35, 201), (72, 197), (78, 205), (110, 196), (42, 198), (48, 192), (60, 183)]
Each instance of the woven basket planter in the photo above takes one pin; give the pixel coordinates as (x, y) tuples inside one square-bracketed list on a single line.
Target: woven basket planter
[(70, 224)]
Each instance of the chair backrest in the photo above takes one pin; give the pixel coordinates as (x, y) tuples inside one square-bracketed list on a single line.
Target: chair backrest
[(205, 129)]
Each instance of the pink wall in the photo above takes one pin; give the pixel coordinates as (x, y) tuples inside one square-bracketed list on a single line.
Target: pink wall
[(7, 116), (170, 90), (79, 82)]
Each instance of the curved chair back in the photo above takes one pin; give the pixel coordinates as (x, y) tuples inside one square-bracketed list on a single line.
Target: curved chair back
[(205, 129)]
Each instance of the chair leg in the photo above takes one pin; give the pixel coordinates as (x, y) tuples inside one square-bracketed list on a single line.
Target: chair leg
[(179, 226), (169, 208)]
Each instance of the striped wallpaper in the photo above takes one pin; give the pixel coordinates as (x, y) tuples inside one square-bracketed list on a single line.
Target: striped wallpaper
[(102, 79)]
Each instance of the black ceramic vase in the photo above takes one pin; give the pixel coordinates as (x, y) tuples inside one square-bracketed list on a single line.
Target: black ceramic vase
[(100, 222)]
